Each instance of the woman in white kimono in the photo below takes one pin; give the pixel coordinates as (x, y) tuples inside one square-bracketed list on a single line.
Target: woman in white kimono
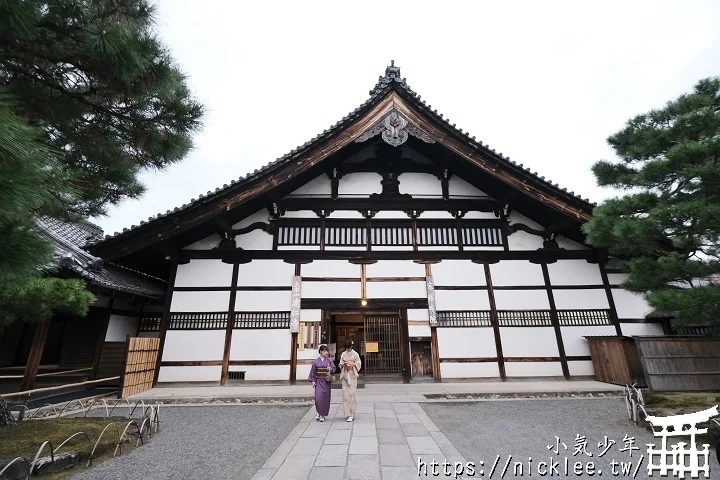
[(349, 368)]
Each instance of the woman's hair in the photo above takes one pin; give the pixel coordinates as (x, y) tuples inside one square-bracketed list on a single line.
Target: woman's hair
[(348, 343), (323, 348)]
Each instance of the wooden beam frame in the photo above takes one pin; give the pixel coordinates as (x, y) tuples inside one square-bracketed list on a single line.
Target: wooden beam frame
[(611, 300), (165, 320), (555, 322), (230, 325), (495, 322)]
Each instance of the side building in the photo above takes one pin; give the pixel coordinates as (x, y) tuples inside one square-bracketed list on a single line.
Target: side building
[(439, 257)]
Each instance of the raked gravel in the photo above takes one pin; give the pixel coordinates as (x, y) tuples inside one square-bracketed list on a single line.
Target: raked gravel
[(214, 442)]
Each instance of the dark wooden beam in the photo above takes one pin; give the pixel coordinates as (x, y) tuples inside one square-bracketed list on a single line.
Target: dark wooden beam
[(36, 351), (165, 320), (101, 337), (355, 305), (494, 321), (611, 300), (230, 325), (401, 204), (555, 322)]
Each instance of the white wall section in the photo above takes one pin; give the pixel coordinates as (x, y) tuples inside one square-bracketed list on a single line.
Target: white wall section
[(204, 273), (516, 273), (574, 272), (119, 327), (265, 273), (193, 345), (263, 301), (201, 301), (261, 344), (529, 342)]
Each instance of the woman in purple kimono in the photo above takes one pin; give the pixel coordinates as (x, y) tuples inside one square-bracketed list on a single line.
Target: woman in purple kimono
[(321, 368)]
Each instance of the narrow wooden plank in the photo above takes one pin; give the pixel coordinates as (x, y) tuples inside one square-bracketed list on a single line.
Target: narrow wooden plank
[(555, 321), (494, 321)]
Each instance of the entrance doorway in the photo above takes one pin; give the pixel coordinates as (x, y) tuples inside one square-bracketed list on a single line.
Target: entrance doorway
[(380, 338)]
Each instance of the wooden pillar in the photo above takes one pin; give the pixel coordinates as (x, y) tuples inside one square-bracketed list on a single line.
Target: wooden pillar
[(124, 367), (294, 342), (104, 323), (555, 322), (230, 325), (434, 351), (611, 300), (165, 319), (36, 351), (495, 322)]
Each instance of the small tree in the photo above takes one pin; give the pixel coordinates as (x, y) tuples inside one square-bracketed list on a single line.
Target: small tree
[(667, 225)]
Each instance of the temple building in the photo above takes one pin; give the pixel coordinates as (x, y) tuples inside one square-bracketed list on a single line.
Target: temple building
[(441, 258)]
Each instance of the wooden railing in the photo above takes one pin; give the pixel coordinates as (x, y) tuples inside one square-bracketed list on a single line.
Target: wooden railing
[(522, 318)]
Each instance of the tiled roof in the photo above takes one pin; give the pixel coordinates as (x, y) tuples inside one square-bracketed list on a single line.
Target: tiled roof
[(68, 240), (385, 83)]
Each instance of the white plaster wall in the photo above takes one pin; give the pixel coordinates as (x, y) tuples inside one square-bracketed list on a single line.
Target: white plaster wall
[(474, 215), (307, 354), (457, 272), (419, 330), (320, 185), (458, 186), (567, 244), (417, 314), (440, 214), (524, 241), (259, 216), (200, 301), (574, 272), (533, 369), (629, 304), (331, 268), (189, 374), (307, 315), (391, 214), (521, 300), (360, 183), (207, 243), (266, 273), (573, 338), (396, 290), (518, 218), (640, 329), (462, 300), (193, 345), (617, 278), (473, 342), (395, 268), (302, 373), (255, 240), (120, 327), (266, 301), (420, 184), (515, 273), (580, 299), (331, 290), (263, 372), (301, 214), (528, 341), (346, 213), (469, 370), (260, 344), (581, 368), (204, 273)]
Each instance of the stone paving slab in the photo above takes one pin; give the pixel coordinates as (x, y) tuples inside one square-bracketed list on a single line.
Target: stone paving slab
[(376, 446)]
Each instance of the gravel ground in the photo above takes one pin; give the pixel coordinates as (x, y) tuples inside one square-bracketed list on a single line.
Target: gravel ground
[(216, 442), (524, 428)]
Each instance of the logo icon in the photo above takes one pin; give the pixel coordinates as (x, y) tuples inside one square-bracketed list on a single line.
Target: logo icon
[(679, 460)]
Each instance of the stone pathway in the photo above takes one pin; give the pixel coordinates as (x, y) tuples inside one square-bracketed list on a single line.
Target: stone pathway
[(384, 442)]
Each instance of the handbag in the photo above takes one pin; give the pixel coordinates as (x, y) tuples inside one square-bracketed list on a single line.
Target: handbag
[(330, 378)]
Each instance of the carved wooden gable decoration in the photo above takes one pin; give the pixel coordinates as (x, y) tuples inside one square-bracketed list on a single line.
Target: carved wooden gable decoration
[(393, 115)]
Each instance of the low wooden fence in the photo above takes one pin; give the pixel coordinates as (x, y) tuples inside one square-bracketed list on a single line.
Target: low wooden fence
[(140, 360), (680, 364), (616, 360)]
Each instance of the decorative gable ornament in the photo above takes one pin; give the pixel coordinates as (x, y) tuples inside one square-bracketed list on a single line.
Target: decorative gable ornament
[(394, 129)]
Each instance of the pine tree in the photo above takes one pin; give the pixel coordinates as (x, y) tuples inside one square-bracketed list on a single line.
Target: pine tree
[(105, 91), (667, 225)]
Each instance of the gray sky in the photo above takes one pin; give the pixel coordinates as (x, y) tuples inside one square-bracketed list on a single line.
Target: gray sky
[(545, 83)]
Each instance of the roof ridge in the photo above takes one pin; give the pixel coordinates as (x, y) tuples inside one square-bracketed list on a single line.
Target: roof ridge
[(391, 79)]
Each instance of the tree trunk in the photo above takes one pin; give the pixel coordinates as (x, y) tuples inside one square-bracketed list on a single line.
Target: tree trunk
[(6, 417)]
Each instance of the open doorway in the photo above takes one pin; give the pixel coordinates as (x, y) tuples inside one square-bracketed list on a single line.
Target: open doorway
[(380, 338)]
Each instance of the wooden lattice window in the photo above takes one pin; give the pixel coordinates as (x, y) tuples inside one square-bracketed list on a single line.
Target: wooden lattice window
[(198, 321), (467, 318), (293, 235), (524, 318), (150, 324), (262, 320), (398, 236), (309, 335), (479, 236), (583, 317), (341, 236)]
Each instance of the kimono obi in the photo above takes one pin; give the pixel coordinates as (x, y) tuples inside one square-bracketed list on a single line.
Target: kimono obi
[(321, 371)]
